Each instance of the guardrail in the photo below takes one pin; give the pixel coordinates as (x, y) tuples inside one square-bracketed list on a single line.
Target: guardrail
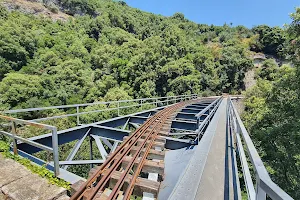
[(264, 185), (115, 105), (14, 122), (211, 108)]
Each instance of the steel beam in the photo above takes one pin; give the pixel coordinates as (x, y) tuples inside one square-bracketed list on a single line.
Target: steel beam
[(198, 107), (190, 110), (184, 115), (100, 147), (124, 126), (136, 126), (64, 136), (183, 133), (109, 133), (75, 149), (81, 162), (114, 146), (178, 124), (107, 143), (174, 143), (138, 119)]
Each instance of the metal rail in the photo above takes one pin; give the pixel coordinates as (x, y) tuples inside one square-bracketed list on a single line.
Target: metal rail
[(54, 136), (264, 185), (114, 105), (14, 122), (212, 108), (147, 132)]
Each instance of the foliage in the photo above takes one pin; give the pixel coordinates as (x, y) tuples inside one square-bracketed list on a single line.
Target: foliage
[(109, 51), (110, 45), (272, 115), (271, 40), (268, 70)]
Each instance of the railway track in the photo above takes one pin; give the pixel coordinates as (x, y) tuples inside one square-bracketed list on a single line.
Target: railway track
[(134, 152)]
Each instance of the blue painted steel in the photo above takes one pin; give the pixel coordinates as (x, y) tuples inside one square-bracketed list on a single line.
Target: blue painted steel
[(184, 125), (174, 143), (63, 137), (114, 123), (146, 114), (138, 119), (109, 133), (76, 148), (194, 106), (183, 115), (36, 160), (190, 110)]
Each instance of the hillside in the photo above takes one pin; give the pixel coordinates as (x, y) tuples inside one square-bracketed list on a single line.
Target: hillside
[(108, 47), (55, 52)]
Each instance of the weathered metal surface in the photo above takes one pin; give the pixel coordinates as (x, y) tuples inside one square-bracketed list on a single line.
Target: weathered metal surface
[(145, 134), (175, 163), (191, 176)]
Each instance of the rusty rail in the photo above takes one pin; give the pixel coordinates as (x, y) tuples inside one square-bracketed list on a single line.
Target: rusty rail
[(148, 132)]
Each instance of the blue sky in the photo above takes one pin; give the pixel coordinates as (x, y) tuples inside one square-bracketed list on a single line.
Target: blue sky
[(217, 12)]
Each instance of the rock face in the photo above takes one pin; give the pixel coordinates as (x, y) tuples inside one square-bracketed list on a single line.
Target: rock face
[(45, 8), (18, 183)]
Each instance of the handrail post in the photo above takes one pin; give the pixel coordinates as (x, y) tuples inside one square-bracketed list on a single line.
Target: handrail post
[(77, 112), (55, 151), (260, 193), (14, 132)]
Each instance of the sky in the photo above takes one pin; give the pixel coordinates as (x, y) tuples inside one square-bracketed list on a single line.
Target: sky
[(239, 12)]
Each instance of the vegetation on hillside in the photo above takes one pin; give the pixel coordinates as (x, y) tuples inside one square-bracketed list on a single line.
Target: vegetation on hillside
[(272, 114), (111, 47), (109, 51)]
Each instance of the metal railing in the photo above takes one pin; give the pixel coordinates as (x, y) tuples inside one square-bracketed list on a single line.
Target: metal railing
[(112, 105), (264, 185), (14, 126), (14, 122), (211, 109)]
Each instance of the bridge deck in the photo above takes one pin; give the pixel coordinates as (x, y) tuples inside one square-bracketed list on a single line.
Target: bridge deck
[(205, 177)]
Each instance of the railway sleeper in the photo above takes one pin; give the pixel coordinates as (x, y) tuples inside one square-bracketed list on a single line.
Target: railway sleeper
[(157, 139), (153, 154), (142, 184), (155, 144), (150, 166)]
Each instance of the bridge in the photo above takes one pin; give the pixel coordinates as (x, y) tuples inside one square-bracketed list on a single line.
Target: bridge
[(169, 148)]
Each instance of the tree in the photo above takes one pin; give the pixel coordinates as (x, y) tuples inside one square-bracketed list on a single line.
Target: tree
[(268, 69), (18, 88)]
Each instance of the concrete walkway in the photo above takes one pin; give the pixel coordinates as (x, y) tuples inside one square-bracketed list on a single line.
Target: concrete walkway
[(18, 183)]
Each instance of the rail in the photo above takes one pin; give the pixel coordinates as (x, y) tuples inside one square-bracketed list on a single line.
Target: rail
[(148, 131), (211, 109), (14, 122), (14, 125), (114, 105), (264, 185)]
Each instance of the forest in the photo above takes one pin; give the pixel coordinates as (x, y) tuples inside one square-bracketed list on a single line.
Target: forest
[(272, 113), (112, 47), (107, 50)]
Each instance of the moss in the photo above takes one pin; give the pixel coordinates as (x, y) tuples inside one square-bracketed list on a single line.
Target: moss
[(40, 170)]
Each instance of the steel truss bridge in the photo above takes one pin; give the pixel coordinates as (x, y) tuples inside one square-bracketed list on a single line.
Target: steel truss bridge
[(180, 148)]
